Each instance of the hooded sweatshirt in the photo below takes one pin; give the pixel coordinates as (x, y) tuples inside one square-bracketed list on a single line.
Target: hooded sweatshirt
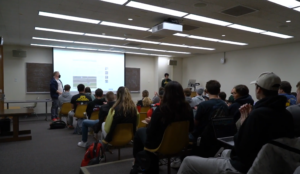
[(267, 121), (291, 100), (234, 107), (190, 101), (198, 99), (65, 97)]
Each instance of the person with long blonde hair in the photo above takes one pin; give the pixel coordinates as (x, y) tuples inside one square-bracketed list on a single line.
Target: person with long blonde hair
[(123, 111)]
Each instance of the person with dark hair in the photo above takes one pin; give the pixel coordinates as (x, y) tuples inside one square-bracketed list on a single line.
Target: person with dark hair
[(266, 121), (165, 81), (285, 89), (88, 91), (199, 98), (206, 111), (187, 93), (295, 111), (56, 89), (241, 96), (66, 96), (79, 99), (222, 96), (95, 105), (173, 108), (146, 101)]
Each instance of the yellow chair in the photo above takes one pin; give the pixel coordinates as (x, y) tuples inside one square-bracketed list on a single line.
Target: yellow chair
[(95, 115), (143, 116), (175, 139), (123, 134), (65, 109), (80, 110)]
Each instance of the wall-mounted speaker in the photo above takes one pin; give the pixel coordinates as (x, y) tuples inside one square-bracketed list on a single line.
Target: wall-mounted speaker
[(173, 62), (19, 53)]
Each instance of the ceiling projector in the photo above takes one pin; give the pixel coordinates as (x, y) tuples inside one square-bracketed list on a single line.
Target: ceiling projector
[(168, 27)]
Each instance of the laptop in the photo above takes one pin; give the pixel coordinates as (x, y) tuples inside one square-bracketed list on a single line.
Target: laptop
[(224, 129)]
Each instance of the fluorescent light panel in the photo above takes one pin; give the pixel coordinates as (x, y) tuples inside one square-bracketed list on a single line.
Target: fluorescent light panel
[(207, 20), (297, 9), (136, 53), (112, 24), (90, 43), (120, 2), (55, 40), (75, 48), (286, 3), (203, 38), (58, 31), (174, 45), (181, 35), (143, 41), (277, 35), (178, 52), (245, 28), (156, 9), (40, 45), (201, 48), (104, 36), (231, 42), (66, 17), (160, 55)]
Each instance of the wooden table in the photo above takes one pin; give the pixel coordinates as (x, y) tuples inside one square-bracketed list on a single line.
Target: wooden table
[(16, 113)]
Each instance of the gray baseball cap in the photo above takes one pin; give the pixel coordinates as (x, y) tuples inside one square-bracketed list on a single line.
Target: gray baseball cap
[(200, 91), (269, 81)]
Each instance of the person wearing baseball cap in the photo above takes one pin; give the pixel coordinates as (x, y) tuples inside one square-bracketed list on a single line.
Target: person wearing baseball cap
[(266, 121)]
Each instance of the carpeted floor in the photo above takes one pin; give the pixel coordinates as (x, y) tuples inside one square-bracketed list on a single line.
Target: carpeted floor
[(52, 152)]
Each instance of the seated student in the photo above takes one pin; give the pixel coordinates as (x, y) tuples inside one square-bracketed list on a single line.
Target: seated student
[(147, 102), (241, 96), (145, 94), (154, 106), (66, 96), (230, 100), (206, 111), (285, 90), (96, 104), (156, 98), (88, 91), (187, 93), (222, 96), (123, 111), (295, 111), (199, 98), (102, 115), (79, 99), (173, 108), (267, 121)]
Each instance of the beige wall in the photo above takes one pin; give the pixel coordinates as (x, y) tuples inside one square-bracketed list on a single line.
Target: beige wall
[(152, 70), (244, 66)]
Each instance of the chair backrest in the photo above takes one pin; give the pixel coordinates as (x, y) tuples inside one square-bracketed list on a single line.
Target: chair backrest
[(95, 115), (123, 134), (143, 116), (176, 138), (80, 110), (65, 109)]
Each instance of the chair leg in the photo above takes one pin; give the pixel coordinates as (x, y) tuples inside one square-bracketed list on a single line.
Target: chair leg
[(169, 162), (119, 154)]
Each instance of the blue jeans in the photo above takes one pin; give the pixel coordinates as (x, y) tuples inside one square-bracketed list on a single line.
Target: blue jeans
[(85, 127)]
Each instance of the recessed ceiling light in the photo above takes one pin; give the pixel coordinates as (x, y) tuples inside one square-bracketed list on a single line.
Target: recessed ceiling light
[(144, 41), (55, 40), (288, 21), (103, 36), (286, 3), (207, 20), (175, 45), (130, 19), (112, 24), (156, 9), (203, 38), (241, 27), (180, 34), (66, 17), (120, 2), (53, 46), (231, 42), (277, 35), (59, 31)]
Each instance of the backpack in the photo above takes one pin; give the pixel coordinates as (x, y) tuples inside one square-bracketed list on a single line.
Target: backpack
[(93, 155), (146, 163), (58, 125)]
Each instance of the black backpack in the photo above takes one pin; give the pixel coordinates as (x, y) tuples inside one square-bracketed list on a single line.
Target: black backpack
[(58, 125), (146, 163)]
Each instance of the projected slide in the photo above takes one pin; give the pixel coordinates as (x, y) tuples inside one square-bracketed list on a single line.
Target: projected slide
[(93, 69)]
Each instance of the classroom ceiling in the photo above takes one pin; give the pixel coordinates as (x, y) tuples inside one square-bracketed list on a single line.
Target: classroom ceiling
[(18, 19)]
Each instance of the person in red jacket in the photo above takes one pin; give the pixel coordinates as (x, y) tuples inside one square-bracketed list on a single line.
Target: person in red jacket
[(155, 105)]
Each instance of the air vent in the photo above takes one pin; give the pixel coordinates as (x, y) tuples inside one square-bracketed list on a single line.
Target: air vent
[(189, 27), (131, 44), (239, 11), (154, 37)]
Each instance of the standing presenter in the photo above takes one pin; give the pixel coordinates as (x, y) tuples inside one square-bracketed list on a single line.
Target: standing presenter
[(56, 89), (165, 81)]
